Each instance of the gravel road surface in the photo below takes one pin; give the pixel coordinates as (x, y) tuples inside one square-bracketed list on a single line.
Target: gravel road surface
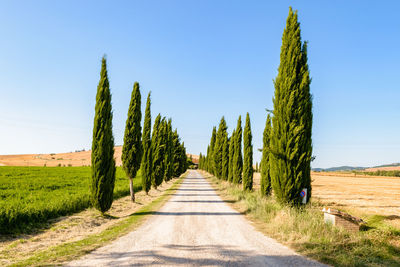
[(195, 228)]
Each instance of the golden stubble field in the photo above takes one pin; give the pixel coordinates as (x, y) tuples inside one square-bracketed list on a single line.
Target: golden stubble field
[(358, 194), (81, 158)]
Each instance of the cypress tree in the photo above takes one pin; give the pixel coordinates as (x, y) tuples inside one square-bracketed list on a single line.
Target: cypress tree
[(291, 145), (207, 166), (103, 162), (225, 157), (231, 154), (169, 150), (265, 165), (176, 153), (256, 170), (132, 149), (212, 146), (147, 162), (219, 142), (183, 159), (237, 156), (248, 156), (158, 152)]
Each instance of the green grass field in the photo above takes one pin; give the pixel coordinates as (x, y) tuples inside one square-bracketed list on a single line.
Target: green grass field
[(30, 196)]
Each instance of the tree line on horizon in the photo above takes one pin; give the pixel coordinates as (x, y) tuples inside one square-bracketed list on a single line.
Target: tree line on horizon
[(285, 166), (159, 153)]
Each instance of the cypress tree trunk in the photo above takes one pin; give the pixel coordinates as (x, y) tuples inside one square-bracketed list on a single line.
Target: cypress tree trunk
[(147, 161), (248, 156), (237, 157), (291, 145), (219, 142), (231, 155), (132, 149), (265, 175), (102, 157)]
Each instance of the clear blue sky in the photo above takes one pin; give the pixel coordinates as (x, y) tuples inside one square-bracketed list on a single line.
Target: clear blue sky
[(201, 60)]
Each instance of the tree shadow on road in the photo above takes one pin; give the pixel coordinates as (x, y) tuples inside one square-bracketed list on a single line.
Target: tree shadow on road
[(201, 255)]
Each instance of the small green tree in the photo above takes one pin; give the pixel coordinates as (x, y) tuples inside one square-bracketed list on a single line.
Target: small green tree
[(291, 145), (147, 161), (231, 155), (265, 168), (248, 156), (237, 156), (132, 149), (103, 162)]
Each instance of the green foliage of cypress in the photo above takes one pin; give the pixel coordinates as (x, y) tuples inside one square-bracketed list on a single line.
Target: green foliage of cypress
[(207, 159), (183, 159), (169, 150), (211, 164), (291, 146), (147, 161), (218, 148), (237, 156), (103, 162), (158, 150), (247, 156), (176, 154), (132, 150), (231, 155), (225, 157), (265, 165)]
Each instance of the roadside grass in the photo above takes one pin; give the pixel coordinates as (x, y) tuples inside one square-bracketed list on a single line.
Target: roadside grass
[(31, 196), (65, 252), (305, 231)]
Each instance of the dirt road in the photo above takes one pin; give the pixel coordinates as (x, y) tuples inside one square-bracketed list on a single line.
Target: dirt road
[(195, 227)]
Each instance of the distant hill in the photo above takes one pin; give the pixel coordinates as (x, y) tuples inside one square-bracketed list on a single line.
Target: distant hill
[(337, 169), (393, 166)]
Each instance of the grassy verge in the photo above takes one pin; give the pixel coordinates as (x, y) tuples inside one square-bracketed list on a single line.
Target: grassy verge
[(304, 230), (30, 196), (72, 250)]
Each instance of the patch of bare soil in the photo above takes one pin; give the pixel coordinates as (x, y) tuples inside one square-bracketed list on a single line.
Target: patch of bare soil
[(74, 227)]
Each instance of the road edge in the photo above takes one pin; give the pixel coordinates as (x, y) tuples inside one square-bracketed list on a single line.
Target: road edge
[(69, 251)]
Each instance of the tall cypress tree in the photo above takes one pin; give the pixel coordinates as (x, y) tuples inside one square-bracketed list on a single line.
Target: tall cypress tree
[(207, 159), (158, 153), (247, 156), (237, 156), (132, 149), (225, 157), (147, 161), (291, 145), (231, 155), (212, 146), (169, 150), (265, 165), (103, 162), (219, 142)]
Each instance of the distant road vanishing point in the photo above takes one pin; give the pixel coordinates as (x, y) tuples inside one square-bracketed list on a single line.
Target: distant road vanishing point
[(195, 228)]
